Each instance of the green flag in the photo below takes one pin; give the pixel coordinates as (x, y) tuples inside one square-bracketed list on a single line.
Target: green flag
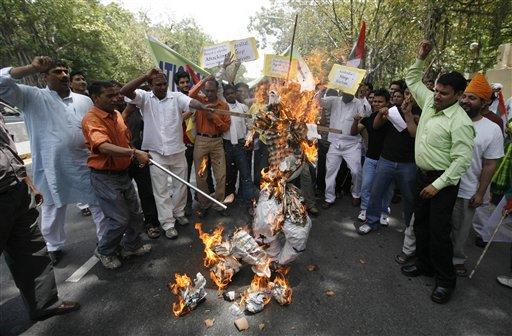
[(170, 62)]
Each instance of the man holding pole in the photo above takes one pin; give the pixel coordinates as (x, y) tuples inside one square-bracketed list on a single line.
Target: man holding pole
[(163, 113), (443, 149), (108, 140)]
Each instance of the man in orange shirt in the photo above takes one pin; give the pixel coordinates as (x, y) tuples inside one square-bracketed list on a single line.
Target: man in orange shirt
[(209, 127), (108, 140)]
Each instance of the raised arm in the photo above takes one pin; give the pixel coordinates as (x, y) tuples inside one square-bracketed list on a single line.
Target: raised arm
[(129, 88), (356, 127), (381, 118), (409, 117), (414, 75)]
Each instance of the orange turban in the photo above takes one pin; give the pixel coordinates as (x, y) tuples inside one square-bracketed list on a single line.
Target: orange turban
[(480, 87)]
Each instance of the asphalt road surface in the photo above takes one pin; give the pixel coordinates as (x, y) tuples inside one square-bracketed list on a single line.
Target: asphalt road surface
[(371, 296)]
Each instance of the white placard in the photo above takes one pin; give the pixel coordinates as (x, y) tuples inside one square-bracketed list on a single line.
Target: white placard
[(213, 56)]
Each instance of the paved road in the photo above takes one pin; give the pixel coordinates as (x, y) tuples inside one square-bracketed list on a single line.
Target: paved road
[(371, 296)]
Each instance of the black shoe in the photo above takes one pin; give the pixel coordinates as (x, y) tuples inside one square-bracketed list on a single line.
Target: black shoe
[(441, 294), (413, 271), (480, 242), (55, 256), (63, 308)]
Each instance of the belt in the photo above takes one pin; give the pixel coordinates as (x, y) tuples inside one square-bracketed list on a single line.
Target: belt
[(431, 173), (209, 135), (109, 172)]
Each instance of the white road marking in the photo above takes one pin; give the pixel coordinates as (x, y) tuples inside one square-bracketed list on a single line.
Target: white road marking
[(79, 273)]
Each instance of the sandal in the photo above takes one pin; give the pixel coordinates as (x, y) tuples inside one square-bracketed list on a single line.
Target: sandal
[(460, 270), (403, 258), (153, 232)]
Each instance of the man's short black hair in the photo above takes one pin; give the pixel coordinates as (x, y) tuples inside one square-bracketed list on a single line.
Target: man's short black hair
[(241, 84), (369, 85), (331, 93), (382, 93), (181, 74), (150, 79), (76, 73), (454, 79), (213, 80), (229, 87), (400, 90), (57, 63), (400, 83), (97, 87)]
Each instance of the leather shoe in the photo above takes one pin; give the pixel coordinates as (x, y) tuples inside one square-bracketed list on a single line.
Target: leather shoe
[(441, 294), (63, 308), (413, 271)]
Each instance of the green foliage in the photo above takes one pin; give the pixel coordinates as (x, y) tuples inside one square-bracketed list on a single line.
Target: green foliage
[(106, 41), (394, 30)]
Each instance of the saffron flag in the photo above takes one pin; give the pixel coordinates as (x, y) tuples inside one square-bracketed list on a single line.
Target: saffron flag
[(170, 62), (357, 53)]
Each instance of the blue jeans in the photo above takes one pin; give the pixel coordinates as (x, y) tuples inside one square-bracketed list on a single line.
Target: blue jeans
[(369, 168), (404, 176), (238, 161)]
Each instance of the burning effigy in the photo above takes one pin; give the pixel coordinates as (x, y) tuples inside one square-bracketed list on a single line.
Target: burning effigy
[(281, 225)]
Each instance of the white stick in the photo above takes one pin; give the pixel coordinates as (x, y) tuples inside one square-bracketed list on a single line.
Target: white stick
[(188, 184), (488, 244)]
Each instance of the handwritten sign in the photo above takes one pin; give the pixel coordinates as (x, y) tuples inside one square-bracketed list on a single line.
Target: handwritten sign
[(245, 50), (345, 78), (277, 66), (213, 56)]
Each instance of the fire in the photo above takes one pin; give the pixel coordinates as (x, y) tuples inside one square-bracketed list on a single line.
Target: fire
[(182, 282), (209, 241), (310, 151), (202, 166), (281, 287), (258, 284)]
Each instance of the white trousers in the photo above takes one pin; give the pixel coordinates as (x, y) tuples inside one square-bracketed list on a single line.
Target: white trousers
[(409, 246), (170, 194), (351, 153), (52, 225)]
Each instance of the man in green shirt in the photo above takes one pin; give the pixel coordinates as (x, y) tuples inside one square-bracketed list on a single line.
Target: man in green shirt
[(443, 149)]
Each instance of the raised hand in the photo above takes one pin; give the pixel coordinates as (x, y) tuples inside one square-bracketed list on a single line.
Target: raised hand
[(228, 59), (153, 72), (424, 50), (42, 63)]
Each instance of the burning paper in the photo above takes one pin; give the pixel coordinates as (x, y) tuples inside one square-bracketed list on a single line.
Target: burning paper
[(202, 166), (280, 288), (188, 295), (245, 247), (257, 295)]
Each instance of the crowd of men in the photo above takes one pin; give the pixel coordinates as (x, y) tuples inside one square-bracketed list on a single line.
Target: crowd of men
[(433, 146)]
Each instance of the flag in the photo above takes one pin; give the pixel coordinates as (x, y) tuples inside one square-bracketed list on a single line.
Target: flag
[(304, 75), (170, 62), (357, 53)]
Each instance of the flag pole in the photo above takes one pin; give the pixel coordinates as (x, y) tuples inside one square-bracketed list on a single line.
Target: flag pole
[(291, 48)]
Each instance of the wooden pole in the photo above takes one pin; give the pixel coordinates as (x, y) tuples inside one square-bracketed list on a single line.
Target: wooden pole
[(291, 48)]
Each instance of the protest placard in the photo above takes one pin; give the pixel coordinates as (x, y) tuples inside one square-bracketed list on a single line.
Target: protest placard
[(346, 79), (277, 66), (245, 50), (213, 56)]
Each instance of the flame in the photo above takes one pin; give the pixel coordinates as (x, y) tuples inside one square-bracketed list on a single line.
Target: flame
[(258, 284), (310, 151), (209, 241), (182, 282), (281, 281), (202, 166)]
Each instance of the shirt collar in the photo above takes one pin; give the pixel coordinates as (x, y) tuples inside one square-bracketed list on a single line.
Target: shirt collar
[(54, 93), (102, 114), (167, 96), (448, 112)]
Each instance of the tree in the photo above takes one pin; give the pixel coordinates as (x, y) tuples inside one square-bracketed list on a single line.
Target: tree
[(394, 29)]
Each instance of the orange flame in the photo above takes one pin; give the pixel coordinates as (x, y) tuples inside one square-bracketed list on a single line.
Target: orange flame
[(281, 281), (182, 282), (310, 151), (202, 166), (258, 284), (209, 241)]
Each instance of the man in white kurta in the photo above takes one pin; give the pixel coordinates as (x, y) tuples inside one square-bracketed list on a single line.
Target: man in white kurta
[(343, 146), (53, 117)]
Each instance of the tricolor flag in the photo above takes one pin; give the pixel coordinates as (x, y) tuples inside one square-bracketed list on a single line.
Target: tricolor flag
[(304, 75), (357, 53), (171, 62)]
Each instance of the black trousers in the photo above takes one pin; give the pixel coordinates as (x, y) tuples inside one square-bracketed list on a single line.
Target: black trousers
[(260, 162), (433, 227), (147, 201), (25, 250), (323, 148)]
